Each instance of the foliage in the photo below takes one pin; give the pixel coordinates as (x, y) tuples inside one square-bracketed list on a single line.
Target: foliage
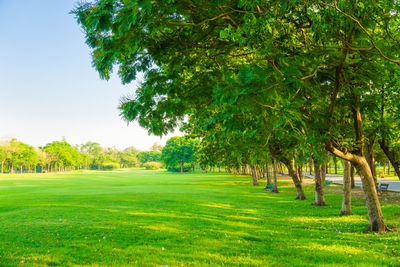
[(152, 165), (62, 156), (293, 78), (178, 151), (147, 156), (187, 167), (109, 166)]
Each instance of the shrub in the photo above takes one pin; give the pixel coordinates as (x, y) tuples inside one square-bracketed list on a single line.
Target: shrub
[(109, 166), (152, 165), (186, 168)]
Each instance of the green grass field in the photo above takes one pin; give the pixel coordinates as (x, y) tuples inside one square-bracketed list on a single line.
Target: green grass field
[(155, 218)]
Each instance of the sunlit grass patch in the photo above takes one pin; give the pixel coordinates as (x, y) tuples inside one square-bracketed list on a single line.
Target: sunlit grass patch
[(217, 205)]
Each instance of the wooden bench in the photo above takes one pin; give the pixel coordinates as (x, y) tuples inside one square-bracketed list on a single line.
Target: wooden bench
[(382, 187)]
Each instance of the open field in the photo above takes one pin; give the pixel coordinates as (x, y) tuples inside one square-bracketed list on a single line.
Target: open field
[(153, 218)]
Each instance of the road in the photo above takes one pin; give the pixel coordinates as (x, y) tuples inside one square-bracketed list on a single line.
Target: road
[(394, 185)]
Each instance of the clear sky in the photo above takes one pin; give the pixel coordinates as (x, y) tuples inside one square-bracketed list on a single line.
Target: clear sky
[(48, 88)]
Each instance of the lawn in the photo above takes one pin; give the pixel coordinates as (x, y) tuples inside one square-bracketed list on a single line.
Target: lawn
[(155, 218)]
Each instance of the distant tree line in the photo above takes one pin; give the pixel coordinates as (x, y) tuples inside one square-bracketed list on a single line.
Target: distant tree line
[(18, 157)]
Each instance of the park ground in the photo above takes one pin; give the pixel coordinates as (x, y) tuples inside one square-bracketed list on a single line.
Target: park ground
[(154, 218)]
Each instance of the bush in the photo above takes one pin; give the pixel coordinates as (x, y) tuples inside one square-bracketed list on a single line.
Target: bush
[(109, 166), (152, 165)]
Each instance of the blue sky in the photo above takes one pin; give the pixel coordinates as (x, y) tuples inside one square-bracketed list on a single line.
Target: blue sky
[(48, 88)]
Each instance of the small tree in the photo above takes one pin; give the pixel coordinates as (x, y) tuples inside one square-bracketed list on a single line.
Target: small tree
[(178, 151)]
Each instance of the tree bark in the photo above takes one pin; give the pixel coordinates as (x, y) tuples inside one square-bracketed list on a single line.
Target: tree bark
[(370, 158), (319, 189), (268, 177), (376, 222), (323, 172), (346, 202), (259, 173), (181, 164), (390, 155), (384, 169), (293, 174), (254, 175), (275, 185), (300, 172), (353, 182)]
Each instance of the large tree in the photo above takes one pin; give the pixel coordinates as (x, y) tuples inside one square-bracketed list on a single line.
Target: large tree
[(317, 56)]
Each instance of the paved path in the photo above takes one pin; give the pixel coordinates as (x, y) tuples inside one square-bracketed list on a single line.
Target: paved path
[(394, 185)]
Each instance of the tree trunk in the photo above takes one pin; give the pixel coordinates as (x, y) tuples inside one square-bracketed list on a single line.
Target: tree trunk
[(254, 175), (384, 169), (319, 189), (375, 216), (346, 202), (323, 172), (370, 158), (390, 155), (257, 173), (335, 162), (295, 178), (353, 182), (275, 185), (2, 166), (268, 177), (181, 164), (300, 172), (388, 169), (310, 165), (376, 222)]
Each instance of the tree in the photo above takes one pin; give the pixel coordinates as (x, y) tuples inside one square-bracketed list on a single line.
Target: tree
[(43, 160), (178, 151), (147, 156), (317, 58), (156, 147), (129, 157), (3, 155), (62, 154)]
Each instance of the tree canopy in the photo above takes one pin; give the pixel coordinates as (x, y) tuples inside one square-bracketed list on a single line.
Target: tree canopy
[(179, 151), (297, 78)]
